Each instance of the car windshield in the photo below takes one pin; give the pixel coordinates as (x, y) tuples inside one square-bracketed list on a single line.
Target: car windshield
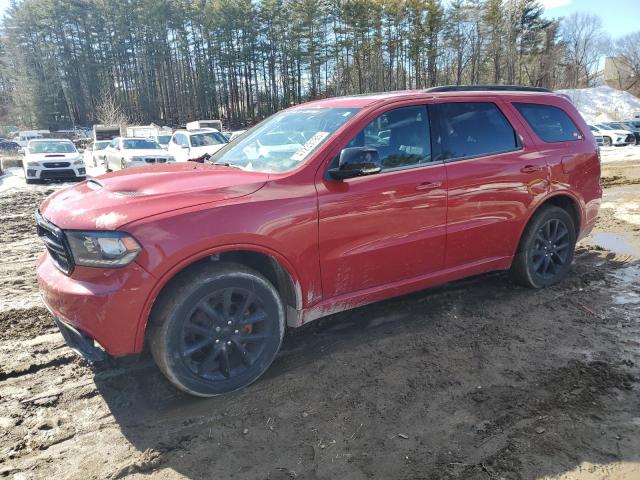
[(207, 139), (51, 147), (604, 127), (140, 144), (100, 145), (284, 141), (164, 139), (618, 126)]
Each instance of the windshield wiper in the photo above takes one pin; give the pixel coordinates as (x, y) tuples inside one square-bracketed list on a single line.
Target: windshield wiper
[(226, 164)]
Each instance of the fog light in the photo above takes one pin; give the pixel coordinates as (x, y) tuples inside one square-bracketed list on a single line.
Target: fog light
[(82, 171), (31, 173)]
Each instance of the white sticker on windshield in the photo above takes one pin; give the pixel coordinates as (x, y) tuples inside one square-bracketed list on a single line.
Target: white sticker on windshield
[(308, 147)]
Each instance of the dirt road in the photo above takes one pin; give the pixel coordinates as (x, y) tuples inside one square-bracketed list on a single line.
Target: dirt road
[(480, 379)]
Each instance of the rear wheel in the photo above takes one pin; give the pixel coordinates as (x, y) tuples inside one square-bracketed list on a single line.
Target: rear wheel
[(546, 249), (217, 329), (123, 164), (607, 141)]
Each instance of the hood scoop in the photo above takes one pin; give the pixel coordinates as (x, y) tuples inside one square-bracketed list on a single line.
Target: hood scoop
[(94, 185), (54, 155)]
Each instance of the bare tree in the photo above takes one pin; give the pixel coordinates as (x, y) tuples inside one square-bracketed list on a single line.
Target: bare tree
[(110, 112), (585, 42), (628, 47)]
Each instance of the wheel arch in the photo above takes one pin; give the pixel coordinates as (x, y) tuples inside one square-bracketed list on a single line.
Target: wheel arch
[(565, 200), (275, 267)]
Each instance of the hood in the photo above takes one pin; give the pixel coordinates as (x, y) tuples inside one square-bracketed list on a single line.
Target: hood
[(51, 157), (145, 153), (113, 200)]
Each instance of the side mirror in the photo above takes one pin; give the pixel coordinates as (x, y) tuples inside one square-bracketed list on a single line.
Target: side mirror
[(356, 162)]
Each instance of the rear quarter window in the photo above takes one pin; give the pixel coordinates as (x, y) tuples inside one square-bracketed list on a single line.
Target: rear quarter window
[(472, 129), (550, 123)]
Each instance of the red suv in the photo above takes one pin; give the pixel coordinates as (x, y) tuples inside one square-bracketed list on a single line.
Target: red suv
[(321, 208)]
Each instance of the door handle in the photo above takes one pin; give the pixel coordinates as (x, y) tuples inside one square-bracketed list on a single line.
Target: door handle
[(428, 185), (531, 168)]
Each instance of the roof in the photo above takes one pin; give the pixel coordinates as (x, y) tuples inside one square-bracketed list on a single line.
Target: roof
[(198, 130), (365, 100)]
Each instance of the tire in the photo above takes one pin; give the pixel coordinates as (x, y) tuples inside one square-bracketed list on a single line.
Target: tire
[(607, 141), (106, 165), (123, 164), (546, 249), (216, 329)]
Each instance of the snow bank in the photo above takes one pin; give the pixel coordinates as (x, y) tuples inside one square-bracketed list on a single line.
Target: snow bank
[(620, 154), (603, 104)]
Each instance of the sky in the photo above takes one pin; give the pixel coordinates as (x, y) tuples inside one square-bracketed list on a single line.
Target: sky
[(619, 17)]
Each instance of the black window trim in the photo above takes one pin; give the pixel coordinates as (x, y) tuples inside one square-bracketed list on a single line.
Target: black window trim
[(524, 119), (518, 136)]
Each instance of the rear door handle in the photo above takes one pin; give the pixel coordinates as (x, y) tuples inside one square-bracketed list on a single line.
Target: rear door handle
[(531, 168), (429, 185)]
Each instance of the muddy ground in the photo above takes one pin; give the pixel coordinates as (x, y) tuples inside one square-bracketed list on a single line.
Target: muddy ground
[(480, 379)]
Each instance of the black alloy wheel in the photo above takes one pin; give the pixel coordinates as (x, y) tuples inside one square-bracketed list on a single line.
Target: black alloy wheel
[(216, 328), (224, 334), (546, 248), (550, 249)]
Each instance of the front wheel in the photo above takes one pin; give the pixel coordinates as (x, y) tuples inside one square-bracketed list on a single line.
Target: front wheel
[(546, 249), (123, 164), (217, 329), (607, 141)]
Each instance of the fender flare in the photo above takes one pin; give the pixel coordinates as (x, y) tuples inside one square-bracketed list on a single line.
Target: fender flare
[(190, 260)]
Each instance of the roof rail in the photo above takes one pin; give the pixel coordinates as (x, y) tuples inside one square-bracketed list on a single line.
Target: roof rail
[(486, 88)]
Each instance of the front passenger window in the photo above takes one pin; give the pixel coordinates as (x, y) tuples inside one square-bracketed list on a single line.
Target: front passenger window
[(400, 136)]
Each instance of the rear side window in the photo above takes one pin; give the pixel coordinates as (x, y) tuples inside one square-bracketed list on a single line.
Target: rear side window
[(551, 124), (471, 129)]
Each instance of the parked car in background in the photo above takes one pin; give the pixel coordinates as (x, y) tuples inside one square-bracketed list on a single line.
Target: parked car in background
[(163, 139), (612, 136), (8, 147), (24, 136), (196, 145), (52, 159), (93, 151), (627, 126), (386, 194), (123, 152), (235, 134)]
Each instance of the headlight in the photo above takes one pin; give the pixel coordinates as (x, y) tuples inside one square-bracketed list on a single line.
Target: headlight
[(137, 159), (79, 162), (103, 249), (171, 159), (33, 164)]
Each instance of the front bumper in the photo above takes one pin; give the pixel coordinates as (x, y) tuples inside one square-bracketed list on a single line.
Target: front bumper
[(81, 343), (104, 305), (64, 173)]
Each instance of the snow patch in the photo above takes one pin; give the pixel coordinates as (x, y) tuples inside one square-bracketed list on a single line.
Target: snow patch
[(628, 288), (603, 104), (628, 211)]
